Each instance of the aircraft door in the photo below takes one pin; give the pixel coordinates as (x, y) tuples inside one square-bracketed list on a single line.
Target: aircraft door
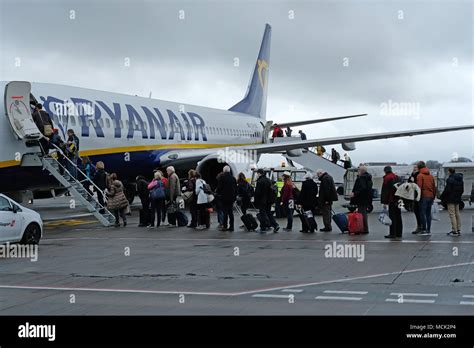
[(17, 110)]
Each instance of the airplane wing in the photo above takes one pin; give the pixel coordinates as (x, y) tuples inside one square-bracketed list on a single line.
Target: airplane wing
[(318, 120), (291, 145)]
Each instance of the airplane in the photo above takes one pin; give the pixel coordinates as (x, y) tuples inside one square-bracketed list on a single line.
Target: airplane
[(134, 135)]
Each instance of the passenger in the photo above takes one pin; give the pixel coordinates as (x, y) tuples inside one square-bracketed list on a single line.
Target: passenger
[(276, 131), (287, 200), (416, 203), (264, 198), (204, 220), (219, 207), (427, 184), (45, 125), (244, 193), (89, 170), (72, 152), (174, 190), (327, 195), (227, 190), (100, 180), (193, 208), (117, 202), (308, 198), (335, 156), (144, 195), (361, 195), (347, 161), (288, 131), (452, 196), (388, 198), (165, 182), (302, 135), (320, 150), (157, 199)]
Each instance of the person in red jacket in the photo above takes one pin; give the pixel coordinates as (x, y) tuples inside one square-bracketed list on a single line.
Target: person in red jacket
[(427, 184), (287, 199), (387, 197)]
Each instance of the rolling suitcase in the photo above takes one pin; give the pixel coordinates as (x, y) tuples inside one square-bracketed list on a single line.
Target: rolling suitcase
[(308, 223), (248, 219), (181, 218), (263, 220), (341, 221), (356, 223)]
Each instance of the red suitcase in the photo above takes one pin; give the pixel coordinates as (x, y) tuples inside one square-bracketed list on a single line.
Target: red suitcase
[(356, 223)]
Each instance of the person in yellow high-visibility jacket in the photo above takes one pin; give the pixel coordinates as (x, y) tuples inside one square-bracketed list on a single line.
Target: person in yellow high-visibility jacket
[(278, 211)]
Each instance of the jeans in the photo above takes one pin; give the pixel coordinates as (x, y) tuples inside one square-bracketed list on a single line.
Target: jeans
[(228, 211), (289, 209), (425, 213), (156, 210)]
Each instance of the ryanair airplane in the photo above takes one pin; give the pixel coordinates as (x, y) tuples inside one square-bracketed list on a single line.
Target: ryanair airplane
[(134, 135)]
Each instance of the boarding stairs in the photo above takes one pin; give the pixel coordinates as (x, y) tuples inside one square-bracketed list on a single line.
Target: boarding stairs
[(75, 186)]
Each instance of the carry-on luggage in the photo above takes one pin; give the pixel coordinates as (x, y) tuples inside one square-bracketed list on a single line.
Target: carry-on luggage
[(355, 223), (248, 220), (341, 221), (181, 218), (172, 218), (308, 223), (263, 220)]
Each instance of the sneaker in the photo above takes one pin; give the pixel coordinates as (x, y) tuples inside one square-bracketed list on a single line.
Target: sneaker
[(417, 231), (425, 233), (200, 227), (150, 226), (276, 229), (389, 236), (325, 230), (454, 233), (262, 231), (286, 229)]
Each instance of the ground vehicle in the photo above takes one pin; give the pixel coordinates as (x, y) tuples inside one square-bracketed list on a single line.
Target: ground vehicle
[(19, 224), (276, 174), (467, 170)]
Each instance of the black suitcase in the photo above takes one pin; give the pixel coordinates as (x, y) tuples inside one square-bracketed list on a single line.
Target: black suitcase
[(181, 218), (308, 223), (172, 218), (249, 222)]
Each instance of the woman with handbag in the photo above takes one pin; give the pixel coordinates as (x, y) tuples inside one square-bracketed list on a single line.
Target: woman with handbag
[(157, 199), (203, 200)]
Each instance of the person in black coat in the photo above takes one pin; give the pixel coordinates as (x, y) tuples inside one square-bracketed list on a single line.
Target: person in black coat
[(308, 197), (244, 193), (452, 197), (227, 190), (362, 194), (144, 195), (264, 197), (327, 195)]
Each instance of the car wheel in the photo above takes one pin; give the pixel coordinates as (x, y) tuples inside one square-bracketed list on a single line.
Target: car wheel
[(32, 234)]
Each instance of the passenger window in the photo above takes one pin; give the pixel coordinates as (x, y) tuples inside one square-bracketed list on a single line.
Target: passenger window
[(107, 122), (4, 204)]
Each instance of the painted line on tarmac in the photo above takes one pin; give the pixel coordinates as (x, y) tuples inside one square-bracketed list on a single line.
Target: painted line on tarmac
[(342, 298), (345, 292), (292, 290), (271, 296), (466, 303), (405, 300), (264, 240), (230, 294), (412, 294)]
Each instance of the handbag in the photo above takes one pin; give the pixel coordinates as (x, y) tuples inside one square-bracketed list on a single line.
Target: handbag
[(158, 192), (435, 212), (187, 196)]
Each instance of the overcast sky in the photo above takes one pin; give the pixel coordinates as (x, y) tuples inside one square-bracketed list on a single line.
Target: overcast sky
[(328, 58)]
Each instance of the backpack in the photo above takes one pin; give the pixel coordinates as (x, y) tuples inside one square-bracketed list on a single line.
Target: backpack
[(338, 156), (158, 192), (296, 193), (207, 189)]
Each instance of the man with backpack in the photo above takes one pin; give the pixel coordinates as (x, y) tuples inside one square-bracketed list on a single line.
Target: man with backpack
[(327, 195), (265, 196), (227, 191), (387, 197), (361, 195)]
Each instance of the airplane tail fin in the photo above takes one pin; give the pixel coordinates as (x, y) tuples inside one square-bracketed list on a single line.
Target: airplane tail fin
[(255, 100)]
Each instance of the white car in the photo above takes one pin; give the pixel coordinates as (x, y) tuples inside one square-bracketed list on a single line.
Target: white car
[(19, 224)]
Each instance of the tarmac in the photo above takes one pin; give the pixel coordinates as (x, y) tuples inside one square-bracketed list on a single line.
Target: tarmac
[(86, 269)]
